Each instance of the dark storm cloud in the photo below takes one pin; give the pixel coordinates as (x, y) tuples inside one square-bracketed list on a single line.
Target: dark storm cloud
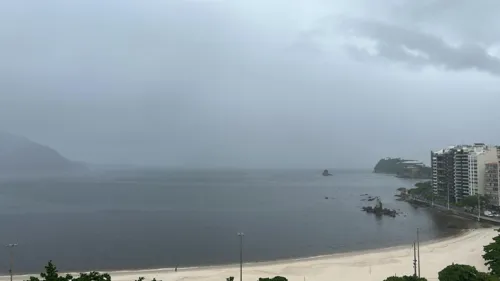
[(427, 49)]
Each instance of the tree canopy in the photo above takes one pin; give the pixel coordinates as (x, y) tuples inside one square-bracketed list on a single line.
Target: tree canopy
[(405, 278), (471, 201), (276, 278), (422, 189), (492, 255), (52, 274), (463, 272)]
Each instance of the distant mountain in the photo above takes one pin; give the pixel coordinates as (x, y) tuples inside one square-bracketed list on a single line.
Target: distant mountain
[(21, 156), (403, 168)]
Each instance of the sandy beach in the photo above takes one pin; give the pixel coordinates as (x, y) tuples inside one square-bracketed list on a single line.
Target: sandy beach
[(373, 265)]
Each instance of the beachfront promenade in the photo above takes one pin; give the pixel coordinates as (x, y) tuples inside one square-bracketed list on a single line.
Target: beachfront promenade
[(456, 210)]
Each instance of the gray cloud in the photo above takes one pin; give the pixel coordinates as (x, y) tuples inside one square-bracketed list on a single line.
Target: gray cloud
[(392, 41), (458, 19), (242, 84)]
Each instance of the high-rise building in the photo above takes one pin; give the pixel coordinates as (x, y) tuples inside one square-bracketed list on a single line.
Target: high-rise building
[(478, 158), (443, 173), (461, 172), (491, 182)]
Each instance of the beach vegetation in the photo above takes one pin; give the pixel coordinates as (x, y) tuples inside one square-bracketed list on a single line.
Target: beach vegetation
[(52, 274), (405, 278), (463, 272), (471, 201), (422, 189), (492, 255), (276, 278)]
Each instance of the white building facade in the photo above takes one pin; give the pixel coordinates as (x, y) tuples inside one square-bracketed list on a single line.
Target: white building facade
[(478, 158)]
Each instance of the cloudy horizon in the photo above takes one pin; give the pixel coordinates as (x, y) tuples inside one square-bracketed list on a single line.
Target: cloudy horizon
[(250, 83)]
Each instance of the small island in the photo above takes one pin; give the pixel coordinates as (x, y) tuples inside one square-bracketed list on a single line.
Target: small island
[(326, 173), (403, 168)]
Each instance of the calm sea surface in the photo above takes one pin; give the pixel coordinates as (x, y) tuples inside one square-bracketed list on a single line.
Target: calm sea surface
[(162, 218)]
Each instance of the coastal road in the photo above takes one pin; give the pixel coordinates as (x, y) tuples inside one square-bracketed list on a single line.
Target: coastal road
[(456, 211)]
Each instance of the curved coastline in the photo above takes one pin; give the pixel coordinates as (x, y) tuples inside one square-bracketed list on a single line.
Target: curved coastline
[(461, 233), (329, 262), (361, 265), (447, 239)]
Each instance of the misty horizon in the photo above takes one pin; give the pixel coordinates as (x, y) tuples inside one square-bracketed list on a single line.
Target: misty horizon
[(249, 84)]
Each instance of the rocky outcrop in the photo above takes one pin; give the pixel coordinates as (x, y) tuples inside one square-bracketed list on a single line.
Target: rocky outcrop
[(379, 210)]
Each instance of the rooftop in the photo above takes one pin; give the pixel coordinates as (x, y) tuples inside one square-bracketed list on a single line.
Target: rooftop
[(477, 147)]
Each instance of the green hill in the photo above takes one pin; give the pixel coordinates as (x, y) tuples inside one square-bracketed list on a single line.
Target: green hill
[(20, 156), (403, 168)]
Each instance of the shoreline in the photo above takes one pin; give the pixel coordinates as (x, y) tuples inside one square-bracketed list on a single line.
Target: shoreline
[(376, 264), (460, 232), (265, 267)]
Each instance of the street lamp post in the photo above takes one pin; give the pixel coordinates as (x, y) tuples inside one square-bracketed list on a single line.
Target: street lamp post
[(448, 202), (414, 259), (418, 251), (478, 207), (11, 258), (241, 234)]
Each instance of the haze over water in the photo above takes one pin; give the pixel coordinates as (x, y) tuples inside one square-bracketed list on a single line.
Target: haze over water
[(161, 218)]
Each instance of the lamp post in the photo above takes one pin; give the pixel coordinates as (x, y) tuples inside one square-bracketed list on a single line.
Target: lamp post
[(241, 234), (448, 202), (414, 259), (478, 207), (11, 258), (418, 251)]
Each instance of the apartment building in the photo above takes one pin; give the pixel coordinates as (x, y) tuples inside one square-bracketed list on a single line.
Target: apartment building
[(459, 171), (443, 173), (478, 158), (491, 182)]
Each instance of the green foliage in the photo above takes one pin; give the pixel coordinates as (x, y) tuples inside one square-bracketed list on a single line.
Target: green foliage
[(422, 189), (454, 272), (230, 278), (463, 272), (398, 166), (492, 255), (142, 279), (482, 276), (52, 274), (424, 185), (471, 201), (389, 166), (405, 278), (93, 276), (277, 278)]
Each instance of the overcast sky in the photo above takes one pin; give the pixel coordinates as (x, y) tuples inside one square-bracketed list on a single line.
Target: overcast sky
[(250, 83)]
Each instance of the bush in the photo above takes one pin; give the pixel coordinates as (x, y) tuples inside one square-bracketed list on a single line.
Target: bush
[(277, 278), (463, 272), (405, 278)]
